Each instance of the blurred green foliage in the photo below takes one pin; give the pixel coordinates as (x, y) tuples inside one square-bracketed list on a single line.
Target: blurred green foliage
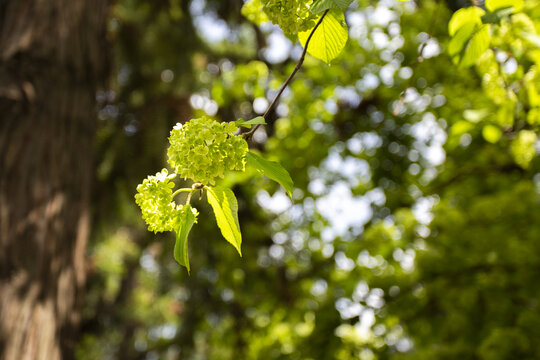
[(414, 229)]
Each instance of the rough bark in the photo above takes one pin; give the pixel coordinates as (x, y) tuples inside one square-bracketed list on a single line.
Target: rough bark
[(51, 62)]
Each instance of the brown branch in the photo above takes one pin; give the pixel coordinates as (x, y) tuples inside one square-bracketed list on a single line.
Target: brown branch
[(250, 133)]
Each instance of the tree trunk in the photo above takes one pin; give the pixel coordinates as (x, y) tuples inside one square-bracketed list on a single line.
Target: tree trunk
[(51, 62)]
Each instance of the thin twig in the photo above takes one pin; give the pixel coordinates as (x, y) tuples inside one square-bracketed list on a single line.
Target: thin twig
[(250, 133)]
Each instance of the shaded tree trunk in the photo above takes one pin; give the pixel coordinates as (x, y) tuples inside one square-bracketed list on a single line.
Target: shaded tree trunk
[(51, 62)]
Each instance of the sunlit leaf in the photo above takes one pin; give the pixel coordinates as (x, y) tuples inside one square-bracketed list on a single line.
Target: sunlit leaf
[(505, 114), (491, 133), (522, 148), (494, 5), (329, 38), (464, 16), (321, 5), (272, 170), (475, 115), (469, 43), (225, 208), (259, 120), (185, 223)]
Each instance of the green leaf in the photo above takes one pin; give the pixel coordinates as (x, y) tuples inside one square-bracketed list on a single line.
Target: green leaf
[(472, 14), (469, 43), (495, 5), (533, 39), (491, 133), (225, 208), (272, 170), (342, 4), (475, 115), (525, 28), (523, 148), (329, 39), (505, 113), (319, 6), (259, 120), (185, 223)]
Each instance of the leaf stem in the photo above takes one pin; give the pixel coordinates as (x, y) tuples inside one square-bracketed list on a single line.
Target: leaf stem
[(188, 200), (250, 133), (194, 188), (180, 191)]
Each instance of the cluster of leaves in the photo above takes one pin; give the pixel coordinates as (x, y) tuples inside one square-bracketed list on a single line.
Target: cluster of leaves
[(202, 150), (503, 42), (299, 18)]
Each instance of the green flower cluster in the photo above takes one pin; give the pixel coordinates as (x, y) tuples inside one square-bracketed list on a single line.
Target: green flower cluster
[(155, 198), (204, 149), (292, 16)]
